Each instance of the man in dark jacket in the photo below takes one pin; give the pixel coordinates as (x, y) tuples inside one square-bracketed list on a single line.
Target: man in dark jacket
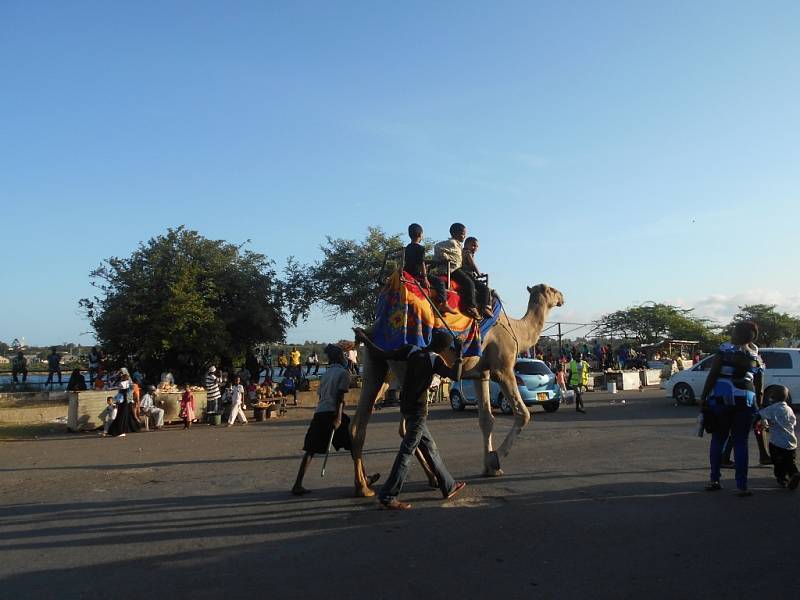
[(421, 365)]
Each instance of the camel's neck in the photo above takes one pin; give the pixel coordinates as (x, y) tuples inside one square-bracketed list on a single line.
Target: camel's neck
[(529, 327)]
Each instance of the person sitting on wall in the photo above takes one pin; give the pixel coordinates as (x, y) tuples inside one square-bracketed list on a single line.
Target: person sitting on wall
[(76, 382), (19, 366)]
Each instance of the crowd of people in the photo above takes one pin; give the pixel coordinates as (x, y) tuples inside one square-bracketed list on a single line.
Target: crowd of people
[(227, 395)]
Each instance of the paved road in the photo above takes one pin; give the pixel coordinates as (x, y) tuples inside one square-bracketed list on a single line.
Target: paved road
[(606, 505)]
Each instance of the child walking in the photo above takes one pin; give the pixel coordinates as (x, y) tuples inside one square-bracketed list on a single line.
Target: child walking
[(562, 383), (187, 407), (237, 402), (782, 438)]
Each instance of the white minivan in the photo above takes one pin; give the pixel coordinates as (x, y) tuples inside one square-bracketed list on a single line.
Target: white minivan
[(782, 368)]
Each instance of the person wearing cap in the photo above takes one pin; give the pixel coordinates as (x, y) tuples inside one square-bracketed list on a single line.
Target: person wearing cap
[(212, 390), (329, 417), (421, 365), (148, 407)]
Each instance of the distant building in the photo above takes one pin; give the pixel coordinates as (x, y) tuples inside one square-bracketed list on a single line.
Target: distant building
[(4, 360)]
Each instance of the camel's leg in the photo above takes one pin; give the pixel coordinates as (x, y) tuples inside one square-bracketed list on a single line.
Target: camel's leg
[(432, 481), (491, 466), (374, 384), (521, 413)]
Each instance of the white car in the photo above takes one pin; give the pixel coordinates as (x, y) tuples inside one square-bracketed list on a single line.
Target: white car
[(782, 368)]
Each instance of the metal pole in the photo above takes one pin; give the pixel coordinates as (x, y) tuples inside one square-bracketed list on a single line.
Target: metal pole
[(560, 347)]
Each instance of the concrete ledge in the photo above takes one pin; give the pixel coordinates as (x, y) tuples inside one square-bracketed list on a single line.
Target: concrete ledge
[(86, 408), (28, 399), (627, 380), (34, 414), (83, 410)]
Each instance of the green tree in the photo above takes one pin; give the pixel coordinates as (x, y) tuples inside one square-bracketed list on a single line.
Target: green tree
[(182, 301), (346, 279), (652, 322), (773, 326)]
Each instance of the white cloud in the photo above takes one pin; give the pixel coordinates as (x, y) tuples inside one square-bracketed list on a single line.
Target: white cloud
[(721, 307)]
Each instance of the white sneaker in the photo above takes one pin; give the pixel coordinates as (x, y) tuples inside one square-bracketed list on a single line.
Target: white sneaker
[(622, 401)]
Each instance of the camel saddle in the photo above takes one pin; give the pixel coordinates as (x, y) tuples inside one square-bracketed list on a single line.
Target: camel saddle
[(404, 315)]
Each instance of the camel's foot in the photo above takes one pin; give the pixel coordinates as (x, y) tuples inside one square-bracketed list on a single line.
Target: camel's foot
[(487, 472), (364, 491), (491, 467)]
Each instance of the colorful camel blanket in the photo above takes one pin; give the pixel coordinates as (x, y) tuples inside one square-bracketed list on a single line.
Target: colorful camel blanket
[(404, 316)]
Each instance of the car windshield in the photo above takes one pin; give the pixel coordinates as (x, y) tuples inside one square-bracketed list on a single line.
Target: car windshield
[(532, 368)]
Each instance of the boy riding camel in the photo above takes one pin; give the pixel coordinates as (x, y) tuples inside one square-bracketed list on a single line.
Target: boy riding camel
[(450, 251), (414, 265)]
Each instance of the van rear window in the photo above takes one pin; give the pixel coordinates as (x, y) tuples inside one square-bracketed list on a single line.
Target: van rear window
[(777, 360)]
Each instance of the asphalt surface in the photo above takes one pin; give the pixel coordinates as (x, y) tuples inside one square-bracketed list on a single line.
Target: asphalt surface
[(604, 505)]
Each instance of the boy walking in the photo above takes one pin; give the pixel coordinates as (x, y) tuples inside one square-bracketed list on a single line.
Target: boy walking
[(782, 438), (421, 365), (237, 399), (329, 417)]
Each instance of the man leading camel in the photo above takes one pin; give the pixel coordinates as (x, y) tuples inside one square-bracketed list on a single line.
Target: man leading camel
[(421, 365)]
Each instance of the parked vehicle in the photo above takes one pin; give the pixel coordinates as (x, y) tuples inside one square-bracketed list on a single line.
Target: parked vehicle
[(782, 367), (536, 383)]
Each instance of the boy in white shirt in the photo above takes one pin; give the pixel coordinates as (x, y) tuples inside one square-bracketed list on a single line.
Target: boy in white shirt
[(782, 438), (109, 414), (237, 399)]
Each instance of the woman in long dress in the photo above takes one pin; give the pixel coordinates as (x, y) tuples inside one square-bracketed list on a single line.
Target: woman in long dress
[(125, 421)]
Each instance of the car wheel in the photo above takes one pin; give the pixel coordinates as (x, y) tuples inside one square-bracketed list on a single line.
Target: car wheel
[(683, 394), (456, 401), (550, 406), (505, 405)]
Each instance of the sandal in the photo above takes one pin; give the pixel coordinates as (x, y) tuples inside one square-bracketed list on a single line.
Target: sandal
[(459, 485), (373, 478)]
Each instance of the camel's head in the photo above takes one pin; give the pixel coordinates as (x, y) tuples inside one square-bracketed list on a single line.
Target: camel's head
[(547, 295)]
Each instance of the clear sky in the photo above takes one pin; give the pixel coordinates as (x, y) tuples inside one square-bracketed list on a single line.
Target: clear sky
[(620, 151)]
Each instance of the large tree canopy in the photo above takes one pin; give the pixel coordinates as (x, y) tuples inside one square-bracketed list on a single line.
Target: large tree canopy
[(183, 301), (652, 322), (773, 326), (347, 277)]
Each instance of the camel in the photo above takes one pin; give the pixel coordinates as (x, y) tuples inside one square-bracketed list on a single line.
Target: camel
[(499, 353)]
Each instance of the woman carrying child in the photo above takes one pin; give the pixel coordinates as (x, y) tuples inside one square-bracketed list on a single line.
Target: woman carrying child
[(730, 398)]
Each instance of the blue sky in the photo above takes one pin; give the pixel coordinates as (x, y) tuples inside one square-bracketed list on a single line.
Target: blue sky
[(620, 151)]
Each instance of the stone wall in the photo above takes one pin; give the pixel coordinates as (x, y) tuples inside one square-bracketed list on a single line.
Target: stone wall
[(33, 407), (82, 411)]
